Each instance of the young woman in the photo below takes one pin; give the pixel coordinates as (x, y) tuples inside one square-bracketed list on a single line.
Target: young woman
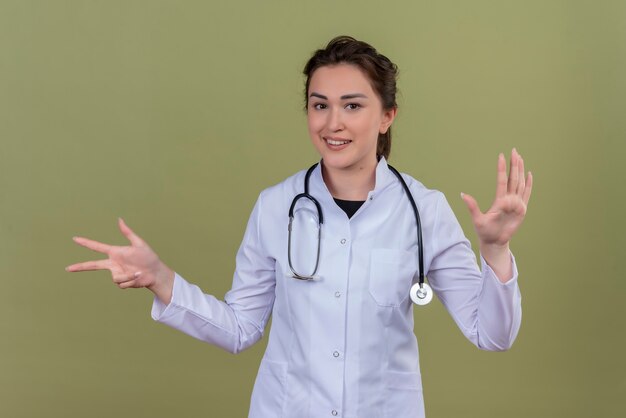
[(341, 341)]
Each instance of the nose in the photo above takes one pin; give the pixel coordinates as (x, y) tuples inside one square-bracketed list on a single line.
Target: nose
[(335, 121)]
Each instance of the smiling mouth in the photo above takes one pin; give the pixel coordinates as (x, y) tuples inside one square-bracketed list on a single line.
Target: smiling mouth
[(337, 142)]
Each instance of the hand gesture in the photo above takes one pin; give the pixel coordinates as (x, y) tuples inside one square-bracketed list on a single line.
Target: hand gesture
[(135, 265), (503, 218)]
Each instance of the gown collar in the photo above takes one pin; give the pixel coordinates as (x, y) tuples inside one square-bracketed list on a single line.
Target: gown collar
[(318, 188)]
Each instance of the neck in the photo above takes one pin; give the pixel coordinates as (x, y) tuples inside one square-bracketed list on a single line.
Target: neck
[(352, 183)]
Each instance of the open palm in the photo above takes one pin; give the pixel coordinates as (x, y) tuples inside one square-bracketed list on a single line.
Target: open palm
[(500, 222)]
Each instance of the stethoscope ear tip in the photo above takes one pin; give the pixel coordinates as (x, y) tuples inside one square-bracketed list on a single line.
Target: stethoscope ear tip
[(421, 294)]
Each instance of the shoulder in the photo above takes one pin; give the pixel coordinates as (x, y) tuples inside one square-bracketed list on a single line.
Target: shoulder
[(281, 194), (424, 196), (286, 188), (434, 210), (431, 203)]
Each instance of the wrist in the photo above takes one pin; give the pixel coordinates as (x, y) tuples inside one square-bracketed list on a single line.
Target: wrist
[(498, 257), (163, 283), (494, 250)]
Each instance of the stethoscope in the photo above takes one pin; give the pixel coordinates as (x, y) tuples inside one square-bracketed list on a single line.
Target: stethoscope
[(421, 293)]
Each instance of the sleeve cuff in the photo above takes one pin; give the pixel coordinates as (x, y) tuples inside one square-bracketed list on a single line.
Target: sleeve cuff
[(159, 309), (488, 271)]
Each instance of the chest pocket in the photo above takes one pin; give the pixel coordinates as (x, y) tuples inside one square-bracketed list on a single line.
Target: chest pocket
[(391, 275)]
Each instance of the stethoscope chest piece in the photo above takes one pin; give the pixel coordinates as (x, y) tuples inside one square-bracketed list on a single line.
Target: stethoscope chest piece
[(421, 294)]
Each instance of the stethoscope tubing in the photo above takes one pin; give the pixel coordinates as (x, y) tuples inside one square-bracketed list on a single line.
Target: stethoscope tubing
[(420, 248), (320, 215), (420, 293)]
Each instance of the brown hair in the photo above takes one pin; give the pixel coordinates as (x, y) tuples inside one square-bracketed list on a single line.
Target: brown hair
[(381, 72)]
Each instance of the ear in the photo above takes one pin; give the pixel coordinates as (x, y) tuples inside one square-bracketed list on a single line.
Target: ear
[(388, 116)]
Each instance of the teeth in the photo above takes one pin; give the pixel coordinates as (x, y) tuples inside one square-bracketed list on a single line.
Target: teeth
[(333, 142)]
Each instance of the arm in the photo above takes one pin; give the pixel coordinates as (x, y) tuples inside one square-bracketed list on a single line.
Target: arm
[(232, 325), (487, 311), (486, 305), (237, 322)]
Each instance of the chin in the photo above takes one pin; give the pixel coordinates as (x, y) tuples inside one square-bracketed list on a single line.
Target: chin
[(335, 161)]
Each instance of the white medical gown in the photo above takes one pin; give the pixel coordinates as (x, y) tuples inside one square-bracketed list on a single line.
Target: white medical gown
[(343, 345)]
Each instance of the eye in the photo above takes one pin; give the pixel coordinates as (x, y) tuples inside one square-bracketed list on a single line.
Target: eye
[(319, 106), (353, 106)]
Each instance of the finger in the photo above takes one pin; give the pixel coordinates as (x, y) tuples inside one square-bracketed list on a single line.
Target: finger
[(513, 172), (528, 188), (129, 234), (93, 245), (89, 266), (127, 284), (472, 205), (124, 277), (521, 184), (501, 178)]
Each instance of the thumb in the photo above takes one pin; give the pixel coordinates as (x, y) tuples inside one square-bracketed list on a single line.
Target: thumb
[(472, 205), (128, 233)]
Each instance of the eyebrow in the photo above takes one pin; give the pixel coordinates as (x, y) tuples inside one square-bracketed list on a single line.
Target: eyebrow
[(344, 97)]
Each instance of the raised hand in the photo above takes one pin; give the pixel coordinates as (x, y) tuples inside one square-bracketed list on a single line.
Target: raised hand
[(498, 224), (135, 265)]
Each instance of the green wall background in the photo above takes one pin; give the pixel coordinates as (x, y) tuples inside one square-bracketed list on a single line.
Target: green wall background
[(176, 114)]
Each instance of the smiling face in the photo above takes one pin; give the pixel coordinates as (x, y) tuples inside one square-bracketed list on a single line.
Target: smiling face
[(345, 116)]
